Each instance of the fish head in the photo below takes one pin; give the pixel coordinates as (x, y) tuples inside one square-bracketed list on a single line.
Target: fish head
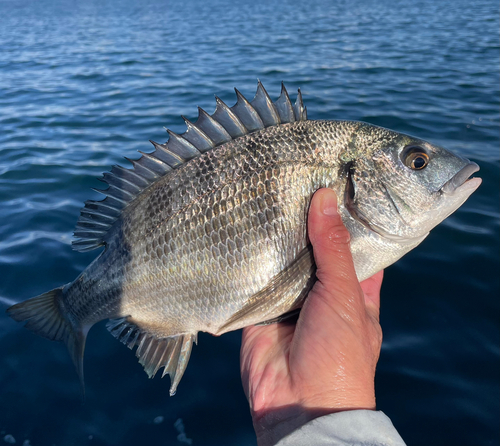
[(401, 187)]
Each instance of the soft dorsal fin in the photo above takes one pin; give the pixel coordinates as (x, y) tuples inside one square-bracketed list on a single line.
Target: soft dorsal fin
[(209, 131)]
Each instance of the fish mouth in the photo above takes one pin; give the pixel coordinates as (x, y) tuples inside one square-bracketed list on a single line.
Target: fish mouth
[(461, 181)]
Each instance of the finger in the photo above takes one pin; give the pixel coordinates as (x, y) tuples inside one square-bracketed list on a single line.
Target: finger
[(371, 289), (331, 245)]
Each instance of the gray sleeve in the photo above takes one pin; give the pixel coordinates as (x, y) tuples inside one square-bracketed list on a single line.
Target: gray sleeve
[(352, 428)]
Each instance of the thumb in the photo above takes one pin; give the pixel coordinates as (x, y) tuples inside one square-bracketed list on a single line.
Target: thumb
[(331, 246)]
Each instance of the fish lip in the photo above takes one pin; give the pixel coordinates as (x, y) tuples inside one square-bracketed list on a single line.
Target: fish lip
[(461, 178)]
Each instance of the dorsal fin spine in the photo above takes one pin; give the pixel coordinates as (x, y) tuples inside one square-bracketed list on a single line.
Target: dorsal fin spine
[(284, 106), (164, 154), (213, 129), (299, 110), (246, 113), (209, 131), (264, 106), (197, 137), (87, 244), (120, 182), (228, 119), (86, 222), (119, 185), (130, 175), (154, 164), (177, 142), (98, 217), (156, 161), (142, 170), (110, 197), (89, 234), (116, 193), (90, 204)]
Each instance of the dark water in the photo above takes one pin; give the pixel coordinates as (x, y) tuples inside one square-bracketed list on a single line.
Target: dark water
[(83, 84)]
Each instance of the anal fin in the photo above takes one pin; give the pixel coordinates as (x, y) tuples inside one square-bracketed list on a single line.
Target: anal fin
[(284, 293), (155, 352)]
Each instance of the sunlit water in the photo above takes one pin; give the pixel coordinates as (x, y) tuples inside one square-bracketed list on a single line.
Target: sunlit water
[(83, 84)]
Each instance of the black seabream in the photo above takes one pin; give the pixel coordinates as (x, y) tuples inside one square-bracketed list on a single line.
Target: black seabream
[(208, 232)]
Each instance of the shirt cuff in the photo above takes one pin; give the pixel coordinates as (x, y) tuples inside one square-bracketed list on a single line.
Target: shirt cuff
[(353, 428)]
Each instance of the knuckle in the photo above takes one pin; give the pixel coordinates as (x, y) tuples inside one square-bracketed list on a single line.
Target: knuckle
[(376, 336), (339, 235)]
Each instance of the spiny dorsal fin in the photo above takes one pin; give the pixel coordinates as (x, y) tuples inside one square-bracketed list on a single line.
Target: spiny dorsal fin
[(154, 353), (209, 131)]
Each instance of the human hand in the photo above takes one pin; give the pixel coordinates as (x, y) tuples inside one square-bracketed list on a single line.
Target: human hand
[(326, 362)]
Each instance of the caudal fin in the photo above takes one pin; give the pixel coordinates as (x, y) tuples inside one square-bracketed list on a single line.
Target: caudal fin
[(45, 316)]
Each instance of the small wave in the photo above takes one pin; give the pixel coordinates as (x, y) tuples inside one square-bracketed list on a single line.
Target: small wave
[(7, 301)]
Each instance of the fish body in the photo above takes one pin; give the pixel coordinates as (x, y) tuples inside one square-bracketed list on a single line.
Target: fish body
[(209, 232)]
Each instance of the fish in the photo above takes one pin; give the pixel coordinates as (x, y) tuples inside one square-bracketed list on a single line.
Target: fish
[(209, 231)]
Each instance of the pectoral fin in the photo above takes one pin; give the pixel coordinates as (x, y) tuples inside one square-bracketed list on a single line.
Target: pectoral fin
[(284, 317), (284, 293)]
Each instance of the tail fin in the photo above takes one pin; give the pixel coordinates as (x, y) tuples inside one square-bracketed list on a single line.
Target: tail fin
[(45, 316)]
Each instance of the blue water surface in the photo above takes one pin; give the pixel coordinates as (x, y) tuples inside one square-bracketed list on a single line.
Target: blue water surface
[(83, 84)]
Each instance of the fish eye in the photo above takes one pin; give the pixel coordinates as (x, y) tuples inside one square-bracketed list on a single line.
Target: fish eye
[(415, 158)]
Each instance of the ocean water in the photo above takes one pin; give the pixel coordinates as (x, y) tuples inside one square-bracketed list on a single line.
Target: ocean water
[(83, 84)]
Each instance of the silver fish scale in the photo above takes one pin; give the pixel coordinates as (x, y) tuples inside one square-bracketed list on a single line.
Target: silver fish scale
[(209, 235)]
